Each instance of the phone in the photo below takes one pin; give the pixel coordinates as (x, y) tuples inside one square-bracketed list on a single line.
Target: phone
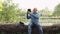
[(29, 10)]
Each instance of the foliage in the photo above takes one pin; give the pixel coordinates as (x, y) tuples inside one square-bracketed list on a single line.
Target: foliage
[(10, 12), (22, 13), (0, 5), (57, 10), (45, 12)]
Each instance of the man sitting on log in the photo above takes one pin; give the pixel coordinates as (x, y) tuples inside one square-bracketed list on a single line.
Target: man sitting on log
[(34, 20)]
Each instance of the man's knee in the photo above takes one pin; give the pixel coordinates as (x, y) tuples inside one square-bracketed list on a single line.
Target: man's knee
[(29, 26)]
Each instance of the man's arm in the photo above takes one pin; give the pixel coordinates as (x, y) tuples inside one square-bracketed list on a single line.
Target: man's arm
[(35, 15), (28, 16)]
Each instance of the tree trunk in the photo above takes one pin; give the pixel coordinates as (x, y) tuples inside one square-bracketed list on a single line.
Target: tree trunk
[(22, 29)]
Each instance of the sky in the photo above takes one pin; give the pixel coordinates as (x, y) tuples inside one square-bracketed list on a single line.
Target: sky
[(39, 4)]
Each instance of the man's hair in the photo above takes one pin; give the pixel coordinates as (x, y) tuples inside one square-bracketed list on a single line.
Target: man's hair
[(29, 10)]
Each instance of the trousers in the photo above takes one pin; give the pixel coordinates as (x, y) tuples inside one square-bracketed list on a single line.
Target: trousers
[(36, 24)]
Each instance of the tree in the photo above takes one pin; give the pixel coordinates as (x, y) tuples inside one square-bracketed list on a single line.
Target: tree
[(0, 5), (10, 12), (46, 12), (57, 10)]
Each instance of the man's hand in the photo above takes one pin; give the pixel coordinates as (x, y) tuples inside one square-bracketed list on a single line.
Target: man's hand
[(28, 12)]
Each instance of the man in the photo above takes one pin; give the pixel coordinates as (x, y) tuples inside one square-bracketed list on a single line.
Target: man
[(34, 20)]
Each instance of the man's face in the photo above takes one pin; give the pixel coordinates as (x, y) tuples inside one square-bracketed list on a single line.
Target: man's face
[(34, 10)]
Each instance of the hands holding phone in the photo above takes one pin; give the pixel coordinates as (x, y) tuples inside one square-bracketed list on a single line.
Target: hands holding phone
[(28, 12)]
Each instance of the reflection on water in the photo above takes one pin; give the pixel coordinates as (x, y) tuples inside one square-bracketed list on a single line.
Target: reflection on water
[(47, 22), (43, 24)]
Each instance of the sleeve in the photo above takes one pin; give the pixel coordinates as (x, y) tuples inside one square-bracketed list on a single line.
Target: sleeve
[(28, 16)]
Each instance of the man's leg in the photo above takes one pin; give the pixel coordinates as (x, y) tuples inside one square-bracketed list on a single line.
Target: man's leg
[(29, 28), (40, 28)]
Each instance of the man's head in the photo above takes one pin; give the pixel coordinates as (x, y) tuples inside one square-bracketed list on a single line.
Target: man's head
[(34, 10)]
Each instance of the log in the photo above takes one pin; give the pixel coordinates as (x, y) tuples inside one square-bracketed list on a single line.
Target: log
[(22, 29)]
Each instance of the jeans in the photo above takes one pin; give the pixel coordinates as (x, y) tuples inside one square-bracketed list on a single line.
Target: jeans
[(39, 27)]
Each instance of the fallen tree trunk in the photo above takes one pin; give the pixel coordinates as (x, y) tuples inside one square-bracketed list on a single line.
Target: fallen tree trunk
[(21, 28)]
